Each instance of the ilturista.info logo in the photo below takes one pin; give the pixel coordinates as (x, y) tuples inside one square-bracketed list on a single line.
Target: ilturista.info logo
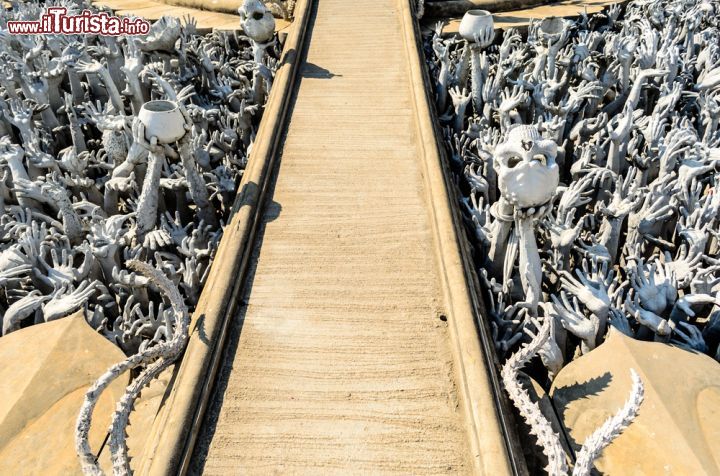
[(56, 21)]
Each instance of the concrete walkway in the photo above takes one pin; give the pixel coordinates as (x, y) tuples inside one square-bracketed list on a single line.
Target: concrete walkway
[(340, 361)]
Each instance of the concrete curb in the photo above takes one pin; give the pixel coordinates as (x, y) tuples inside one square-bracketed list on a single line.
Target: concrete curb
[(472, 364), (172, 437)]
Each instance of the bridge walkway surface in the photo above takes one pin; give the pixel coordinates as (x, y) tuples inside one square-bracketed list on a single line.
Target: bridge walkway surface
[(346, 356)]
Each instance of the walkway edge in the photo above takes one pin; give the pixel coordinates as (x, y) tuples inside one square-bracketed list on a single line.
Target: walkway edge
[(174, 431), (487, 442)]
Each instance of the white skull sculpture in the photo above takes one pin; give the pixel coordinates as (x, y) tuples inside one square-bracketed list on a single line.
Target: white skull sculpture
[(257, 21), (525, 163)]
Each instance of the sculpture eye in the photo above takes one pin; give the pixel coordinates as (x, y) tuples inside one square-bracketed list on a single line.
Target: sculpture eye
[(541, 158), (513, 161), (258, 15)]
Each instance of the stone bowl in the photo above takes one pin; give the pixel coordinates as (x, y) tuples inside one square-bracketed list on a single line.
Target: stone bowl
[(551, 28), (163, 120), (474, 22)]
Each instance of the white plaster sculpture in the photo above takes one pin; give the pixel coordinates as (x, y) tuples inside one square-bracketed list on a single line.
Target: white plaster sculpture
[(527, 179), (617, 222), (258, 23), (540, 427), (478, 28), (116, 150), (642, 172), (154, 359)]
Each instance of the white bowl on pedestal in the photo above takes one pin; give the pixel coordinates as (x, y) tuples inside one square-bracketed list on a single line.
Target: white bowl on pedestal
[(474, 23), (164, 120)]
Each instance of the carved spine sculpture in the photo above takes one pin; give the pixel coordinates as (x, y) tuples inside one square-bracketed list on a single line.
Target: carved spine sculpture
[(548, 440), (154, 359)]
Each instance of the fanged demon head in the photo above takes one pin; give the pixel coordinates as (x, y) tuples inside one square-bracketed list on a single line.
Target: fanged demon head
[(525, 163)]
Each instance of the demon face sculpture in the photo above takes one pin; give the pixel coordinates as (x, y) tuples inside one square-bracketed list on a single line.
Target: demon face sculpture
[(257, 21), (525, 163)]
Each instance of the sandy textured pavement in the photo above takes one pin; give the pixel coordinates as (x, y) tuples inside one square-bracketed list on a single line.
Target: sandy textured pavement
[(340, 360)]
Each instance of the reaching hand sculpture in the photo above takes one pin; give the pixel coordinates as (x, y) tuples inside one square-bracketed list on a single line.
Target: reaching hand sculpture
[(85, 174), (477, 27), (162, 37), (621, 225)]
